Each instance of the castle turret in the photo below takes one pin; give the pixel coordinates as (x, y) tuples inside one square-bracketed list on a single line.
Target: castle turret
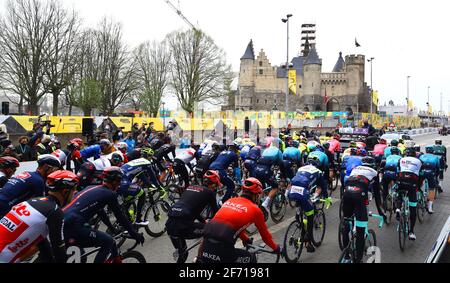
[(340, 64), (247, 74), (356, 88), (312, 81)]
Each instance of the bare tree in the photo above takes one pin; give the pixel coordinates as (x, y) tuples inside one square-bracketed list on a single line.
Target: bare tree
[(115, 70), (198, 69), (86, 95), (61, 53), (152, 69), (23, 39)]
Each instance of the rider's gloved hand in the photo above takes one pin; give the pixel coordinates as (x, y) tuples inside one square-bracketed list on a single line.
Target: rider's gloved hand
[(140, 238), (248, 242)]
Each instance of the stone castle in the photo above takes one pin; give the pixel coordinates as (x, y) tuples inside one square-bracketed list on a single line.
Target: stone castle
[(262, 87)]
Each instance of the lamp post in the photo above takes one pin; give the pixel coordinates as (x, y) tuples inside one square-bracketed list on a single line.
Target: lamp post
[(164, 115), (428, 110), (371, 84), (286, 21), (407, 99)]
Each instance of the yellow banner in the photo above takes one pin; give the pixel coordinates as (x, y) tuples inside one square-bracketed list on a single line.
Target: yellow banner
[(410, 105), (293, 82), (375, 97), (430, 109)]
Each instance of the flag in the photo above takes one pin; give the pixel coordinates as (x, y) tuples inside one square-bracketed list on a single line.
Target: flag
[(293, 82), (410, 105), (326, 96), (356, 43), (430, 109), (375, 97)]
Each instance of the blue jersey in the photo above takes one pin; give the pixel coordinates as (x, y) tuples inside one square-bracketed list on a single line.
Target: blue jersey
[(245, 149), (224, 160), (271, 156), (130, 143), (254, 153), (22, 187), (352, 162), (293, 154), (91, 151), (430, 162), (322, 157), (392, 163), (387, 152), (308, 177)]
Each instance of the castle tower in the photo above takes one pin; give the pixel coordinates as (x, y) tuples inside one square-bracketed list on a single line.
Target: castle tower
[(312, 81), (340, 64), (246, 78), (356, 89)]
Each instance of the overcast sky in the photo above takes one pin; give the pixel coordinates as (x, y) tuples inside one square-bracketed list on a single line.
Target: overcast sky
[(405, 37)]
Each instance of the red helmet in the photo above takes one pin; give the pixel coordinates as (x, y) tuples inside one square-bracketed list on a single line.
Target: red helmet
[(212, 177), (8, 162), (60, 180), (337, 137), (383, 141), (253, 185)]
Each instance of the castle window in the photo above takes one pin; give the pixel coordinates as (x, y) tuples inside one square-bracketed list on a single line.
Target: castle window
[(300, 86), (312, 84), (261, 72), (257, 101), (260, 63), (266, 101)]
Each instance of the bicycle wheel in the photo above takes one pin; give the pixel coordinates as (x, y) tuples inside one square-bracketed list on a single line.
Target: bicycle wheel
[(174, 192), (347, 256), (371, 239), (293, 242), (421, 207), (156, 215), (319, 228), (341, 234), (278, 208), (341, 209), (133, 257)]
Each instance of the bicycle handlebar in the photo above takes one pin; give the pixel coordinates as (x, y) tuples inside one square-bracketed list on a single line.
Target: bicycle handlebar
[(259, 249), (380, 219)]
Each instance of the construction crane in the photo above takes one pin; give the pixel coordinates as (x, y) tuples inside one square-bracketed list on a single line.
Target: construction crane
[(180, 14)]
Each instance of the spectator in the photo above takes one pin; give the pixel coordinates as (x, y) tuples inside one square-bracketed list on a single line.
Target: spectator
[(130, 141), (135, 131), (150, 132), (44, 146), (23, 150), (10, 151)]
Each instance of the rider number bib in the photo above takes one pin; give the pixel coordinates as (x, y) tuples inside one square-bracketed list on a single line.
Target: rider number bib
[(297, 190)]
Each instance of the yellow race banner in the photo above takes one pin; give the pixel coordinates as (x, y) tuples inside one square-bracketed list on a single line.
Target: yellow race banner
[(375, 97), (293, 82)]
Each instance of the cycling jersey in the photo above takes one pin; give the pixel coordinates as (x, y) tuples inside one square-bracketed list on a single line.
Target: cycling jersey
[(410, 165), (224, 160), (306, 179), (323, 158), (293, 154), (254, 153), (186, 156), (335, 146), (379, 149), (233, 218), (352, 162), (271, 155), (20, 188), (245, 149), (139, 168), (392, 163), (204, 162), (163, 152), (3, 179), (156, 143), (430, 168), (134, 154), (101, 163), (91, 151), (29, 224)]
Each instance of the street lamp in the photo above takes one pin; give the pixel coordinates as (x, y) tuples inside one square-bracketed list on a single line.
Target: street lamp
[(371, 85), (407, 99), (428, 110), (164, 115), (286, 21)]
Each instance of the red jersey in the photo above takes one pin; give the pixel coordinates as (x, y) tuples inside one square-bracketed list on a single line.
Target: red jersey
[(335, 146), (379, 149), (237, 214)]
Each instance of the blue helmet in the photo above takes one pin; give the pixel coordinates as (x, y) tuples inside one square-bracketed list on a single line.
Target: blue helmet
[(429, 149), (314, 161)]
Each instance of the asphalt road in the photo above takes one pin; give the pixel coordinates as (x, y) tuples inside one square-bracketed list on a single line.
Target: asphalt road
[(160, 250)]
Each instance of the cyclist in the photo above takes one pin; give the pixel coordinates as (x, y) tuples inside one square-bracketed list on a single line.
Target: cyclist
[(251, 160), (335, 145), (348, 151), (88, 176), (441, 151), (27, 184), (206, 159), (362, 180), (391, 169), (30, 223), (308, 177), (74, 155), (401, 145), (229, 223), (221, 164), (291, 156), (123, 147), (409, 181), (8, 166), (272, 156), (114, 159), (320, 154), (184, 159), (158, 141), (353, 161), (162, 154), (304, 148), (61, 155), (181, 225), (430, 172), (379, 149), (91, 202)]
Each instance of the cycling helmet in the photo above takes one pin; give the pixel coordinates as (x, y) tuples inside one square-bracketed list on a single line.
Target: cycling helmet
[(429, 149), (147, 152), (295, 144), (353, 151), (252, 186), (61, 155), (417, 148), (237, 142), (112, 174), (326, 145), (438, 142), (61, 180), (394, 143), (401, 141), (314, 161), (49, 160), (410, 151), (105, 142), (8, 162), (361, 145), (116, 159), (337, 137), (369, 161), (78, 141), (216, 146), (383, 141), (212, 177), (303, 140), (395, 150), (361, 152), (86, 173), (353, 144)]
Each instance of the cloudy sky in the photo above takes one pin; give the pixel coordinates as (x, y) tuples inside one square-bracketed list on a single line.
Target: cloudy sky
[(405, 37)]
